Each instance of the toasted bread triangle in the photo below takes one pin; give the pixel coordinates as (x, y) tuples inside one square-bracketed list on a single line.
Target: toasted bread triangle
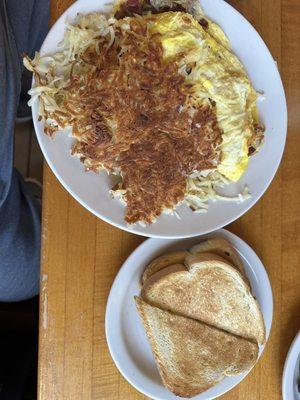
[(192, 356), (213, 292)]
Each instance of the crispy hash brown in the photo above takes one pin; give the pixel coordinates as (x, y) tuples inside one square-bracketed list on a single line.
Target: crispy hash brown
[(140, 123), (133, 114), (144, 116)]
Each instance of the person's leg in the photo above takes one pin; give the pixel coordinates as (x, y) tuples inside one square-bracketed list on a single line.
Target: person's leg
[(22, 28), (29, 19)]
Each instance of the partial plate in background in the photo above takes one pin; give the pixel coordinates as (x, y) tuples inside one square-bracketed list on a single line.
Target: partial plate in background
[(291, 372), (125, 334)]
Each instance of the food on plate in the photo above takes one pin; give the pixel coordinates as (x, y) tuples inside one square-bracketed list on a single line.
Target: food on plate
[(221, 247), (154, 95), (216, 245), (205, 256), (197, 312), (163, 261), (211, 354), (211, 291)]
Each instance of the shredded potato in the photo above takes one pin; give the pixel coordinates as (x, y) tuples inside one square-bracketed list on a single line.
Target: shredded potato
[(54, 76)]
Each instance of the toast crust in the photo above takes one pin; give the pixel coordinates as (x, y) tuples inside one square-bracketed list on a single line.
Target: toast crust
[(193, 258), (164, 272), (222, 248), (176, 257)]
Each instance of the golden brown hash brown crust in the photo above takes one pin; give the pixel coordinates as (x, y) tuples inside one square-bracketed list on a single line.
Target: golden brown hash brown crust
[(131, 113)]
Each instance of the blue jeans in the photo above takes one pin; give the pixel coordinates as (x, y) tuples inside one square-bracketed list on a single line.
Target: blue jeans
[(23, 26)]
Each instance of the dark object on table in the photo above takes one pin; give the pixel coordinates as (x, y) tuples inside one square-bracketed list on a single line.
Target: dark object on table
[(19, 350)]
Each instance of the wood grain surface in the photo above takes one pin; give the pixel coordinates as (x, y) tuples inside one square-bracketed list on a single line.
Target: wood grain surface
[(81, 254)]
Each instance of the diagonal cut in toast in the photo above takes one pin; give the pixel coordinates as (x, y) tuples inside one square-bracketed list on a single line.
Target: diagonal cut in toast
[(211, 291), (192, 356)]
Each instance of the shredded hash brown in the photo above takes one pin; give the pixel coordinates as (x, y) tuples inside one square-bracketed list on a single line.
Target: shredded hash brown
[(132, 114)]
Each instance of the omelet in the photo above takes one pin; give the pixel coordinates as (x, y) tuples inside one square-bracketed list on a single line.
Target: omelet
[(216, 74)]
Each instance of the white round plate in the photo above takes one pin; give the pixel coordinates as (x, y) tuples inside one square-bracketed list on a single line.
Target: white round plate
[(291, 372), (92, 190), (125, 334)]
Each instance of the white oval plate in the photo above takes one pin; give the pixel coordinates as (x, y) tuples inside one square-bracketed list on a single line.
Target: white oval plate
[(291, 372), (125, 334), (92, 190)]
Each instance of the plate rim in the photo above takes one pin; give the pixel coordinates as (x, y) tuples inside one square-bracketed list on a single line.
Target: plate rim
[(291, 359), (135, 229), (122, 271)]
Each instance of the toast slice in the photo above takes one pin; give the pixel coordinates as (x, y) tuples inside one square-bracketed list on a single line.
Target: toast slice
[(222, 248), (192, 356), (213, 292), (164, 272), (193, 259), (180, 267), (163, 261)]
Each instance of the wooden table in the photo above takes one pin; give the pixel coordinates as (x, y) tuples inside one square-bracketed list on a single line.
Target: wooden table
[(81, 254)]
